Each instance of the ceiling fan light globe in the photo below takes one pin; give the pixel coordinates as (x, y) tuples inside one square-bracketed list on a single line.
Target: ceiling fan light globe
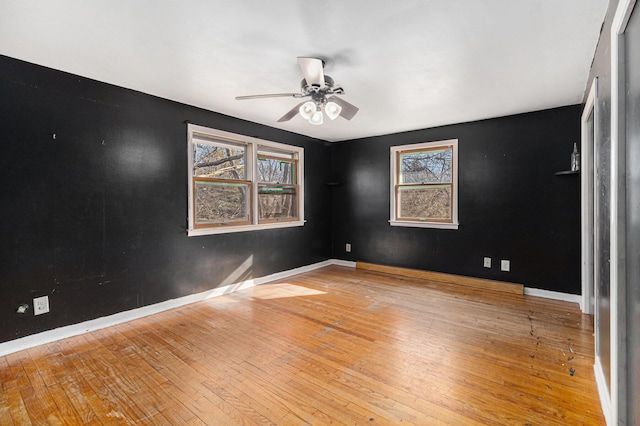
[(317, 118), (332, 110), (307, 109)]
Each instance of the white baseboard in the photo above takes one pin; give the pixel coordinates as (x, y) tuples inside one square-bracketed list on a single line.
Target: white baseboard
[(548, 294), (122, 317), (603, 390)]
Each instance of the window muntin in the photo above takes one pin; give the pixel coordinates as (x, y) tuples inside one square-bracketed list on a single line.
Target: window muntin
[(424, 185), (239, 183)]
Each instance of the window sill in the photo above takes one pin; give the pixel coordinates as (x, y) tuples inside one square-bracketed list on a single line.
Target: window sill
[(411, 224), (242, 228)]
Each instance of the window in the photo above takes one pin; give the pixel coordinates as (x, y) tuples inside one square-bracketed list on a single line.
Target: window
[(424, 185), (239, 183), (221, 190), (277, 189)]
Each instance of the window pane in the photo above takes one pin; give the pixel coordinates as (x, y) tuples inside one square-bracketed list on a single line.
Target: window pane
[(219, 161), (428, 166), (218, 202), (276, 170), (425, 202), (277, 202)]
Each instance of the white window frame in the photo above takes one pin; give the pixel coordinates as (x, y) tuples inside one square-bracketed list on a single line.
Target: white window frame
[(394, 152), (252, 147)]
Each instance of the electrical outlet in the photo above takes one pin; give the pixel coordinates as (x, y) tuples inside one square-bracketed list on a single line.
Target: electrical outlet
[(40, 305), (505, 265), (347, 248), (487, 262)]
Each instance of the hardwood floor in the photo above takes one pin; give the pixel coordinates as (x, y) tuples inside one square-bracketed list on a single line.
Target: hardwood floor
[(333, 346)]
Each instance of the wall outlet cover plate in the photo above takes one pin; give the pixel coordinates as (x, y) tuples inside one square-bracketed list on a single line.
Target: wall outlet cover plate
[(40, 305), (505, 265)]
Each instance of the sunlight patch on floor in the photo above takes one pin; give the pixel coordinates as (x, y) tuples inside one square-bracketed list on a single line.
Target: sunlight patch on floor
[(280, 290), (265, 292)]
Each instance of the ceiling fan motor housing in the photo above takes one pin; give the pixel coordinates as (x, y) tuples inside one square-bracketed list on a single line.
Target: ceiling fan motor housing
[(318, 93), (307, 88)]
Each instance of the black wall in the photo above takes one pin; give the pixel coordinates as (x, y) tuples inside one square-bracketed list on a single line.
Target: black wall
[(96, 217), (511, 204)]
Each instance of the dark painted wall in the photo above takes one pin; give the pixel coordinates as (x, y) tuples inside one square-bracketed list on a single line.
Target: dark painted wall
[(511, 205), (96, 217)]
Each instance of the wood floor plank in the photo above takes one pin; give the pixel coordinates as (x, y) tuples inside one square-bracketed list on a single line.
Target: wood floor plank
[(331, 346), (5, 408), (128, 368), (201, 380), (34, 405), (40, 391), (78, 392), (276, 392), (15, 403)]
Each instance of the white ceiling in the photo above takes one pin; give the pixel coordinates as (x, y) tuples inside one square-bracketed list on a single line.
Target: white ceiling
[(407, 65)]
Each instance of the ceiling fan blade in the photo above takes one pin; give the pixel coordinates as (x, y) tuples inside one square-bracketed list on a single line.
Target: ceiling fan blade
[(270, 95), (348, 110), (292, 113), (312, 71)]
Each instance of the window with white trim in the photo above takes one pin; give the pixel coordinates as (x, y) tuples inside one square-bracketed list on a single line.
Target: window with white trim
[(424, 185), (239, 183)]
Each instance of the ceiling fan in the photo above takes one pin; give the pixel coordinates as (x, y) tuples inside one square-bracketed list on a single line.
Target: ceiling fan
[(322, 91)]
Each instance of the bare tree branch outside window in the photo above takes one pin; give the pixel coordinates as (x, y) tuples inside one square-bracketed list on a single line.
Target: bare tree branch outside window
[(277, 198), (217, 201), (425, 184), (242, 183)]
